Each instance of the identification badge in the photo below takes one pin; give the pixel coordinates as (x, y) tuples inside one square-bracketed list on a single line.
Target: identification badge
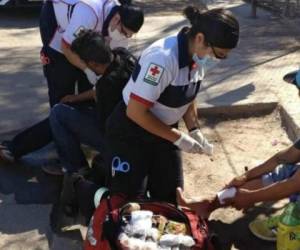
[(153, 74), (77, 32)]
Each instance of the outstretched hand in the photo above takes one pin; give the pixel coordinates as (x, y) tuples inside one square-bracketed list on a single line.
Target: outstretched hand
[(242, 200)]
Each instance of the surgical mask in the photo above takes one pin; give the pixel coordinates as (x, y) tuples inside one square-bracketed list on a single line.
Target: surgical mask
[(115, 34), (206, 62), (117, 38)]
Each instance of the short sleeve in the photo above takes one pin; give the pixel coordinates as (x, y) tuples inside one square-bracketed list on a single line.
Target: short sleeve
[(151, 76), (83, 17)]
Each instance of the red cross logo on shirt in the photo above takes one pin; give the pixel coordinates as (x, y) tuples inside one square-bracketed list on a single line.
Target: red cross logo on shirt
[(154, 70)]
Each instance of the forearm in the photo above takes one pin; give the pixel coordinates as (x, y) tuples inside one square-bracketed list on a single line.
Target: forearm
[(275, 191), (85, 96), (153, 125), (266, 167), (191, 117), (73, 58), (282, 157)]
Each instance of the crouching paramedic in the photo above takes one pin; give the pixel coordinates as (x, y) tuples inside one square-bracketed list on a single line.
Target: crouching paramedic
[(142, 136)]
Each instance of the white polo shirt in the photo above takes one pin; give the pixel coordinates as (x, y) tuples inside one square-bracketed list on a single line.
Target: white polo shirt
[(72, 16), (165, 79)]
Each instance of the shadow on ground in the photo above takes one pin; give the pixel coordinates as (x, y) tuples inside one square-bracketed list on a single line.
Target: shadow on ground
[(19, 17), (26, 180), (237, 233), (233, 96)]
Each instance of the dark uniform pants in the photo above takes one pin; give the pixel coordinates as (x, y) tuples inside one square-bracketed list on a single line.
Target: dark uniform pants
[(155, 165), (61, 79)]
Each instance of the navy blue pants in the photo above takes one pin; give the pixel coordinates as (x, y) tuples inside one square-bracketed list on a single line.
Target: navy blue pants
[(72, 127), (61, 79), (139, 161)]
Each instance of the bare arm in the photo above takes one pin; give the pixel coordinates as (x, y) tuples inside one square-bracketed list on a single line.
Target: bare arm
[(87, 95), (72, 57), (190, 117), (290, 155), (84, 96), (141, 115), (246, 198), (278, 190)]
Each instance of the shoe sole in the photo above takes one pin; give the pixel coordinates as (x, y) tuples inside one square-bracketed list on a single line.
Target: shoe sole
[(55, 173), (3, 158), (291, 77), (266, 238)]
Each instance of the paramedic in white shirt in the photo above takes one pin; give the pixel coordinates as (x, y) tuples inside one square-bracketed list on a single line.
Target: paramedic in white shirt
[(142, 134), (60, 23)]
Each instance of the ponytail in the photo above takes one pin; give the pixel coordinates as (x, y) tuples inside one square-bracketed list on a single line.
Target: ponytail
[(219, 26), (192, 14)]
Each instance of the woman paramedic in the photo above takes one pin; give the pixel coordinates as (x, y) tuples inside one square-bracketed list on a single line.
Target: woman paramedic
[(60, 23), (142, 133)]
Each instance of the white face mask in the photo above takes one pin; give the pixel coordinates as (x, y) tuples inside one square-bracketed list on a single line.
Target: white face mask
[(117, 39), (115, 35), (205, 63)]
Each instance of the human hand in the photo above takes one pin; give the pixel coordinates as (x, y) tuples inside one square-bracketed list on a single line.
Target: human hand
[(198, 136), (69, 99), (243, 199), (91, 76), (188, 144)]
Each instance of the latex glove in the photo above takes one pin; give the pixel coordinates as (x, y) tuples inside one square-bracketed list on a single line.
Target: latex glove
[(188, 144), (198, 136), (91, 76)]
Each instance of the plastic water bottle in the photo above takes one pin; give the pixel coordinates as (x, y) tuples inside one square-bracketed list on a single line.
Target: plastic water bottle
[(288, 231), (291, 215)]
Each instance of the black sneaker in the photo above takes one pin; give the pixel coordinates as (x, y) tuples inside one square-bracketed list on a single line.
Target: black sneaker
[(5, 154), (55, 169), (61, 222), (291, 78), (98, 173), (68, 194)]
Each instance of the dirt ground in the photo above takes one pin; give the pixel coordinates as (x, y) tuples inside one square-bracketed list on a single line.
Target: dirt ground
[(237, 143)]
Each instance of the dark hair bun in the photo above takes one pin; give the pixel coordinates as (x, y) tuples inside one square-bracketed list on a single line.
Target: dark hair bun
[(191, 13), (125, 2), (132, 17)]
